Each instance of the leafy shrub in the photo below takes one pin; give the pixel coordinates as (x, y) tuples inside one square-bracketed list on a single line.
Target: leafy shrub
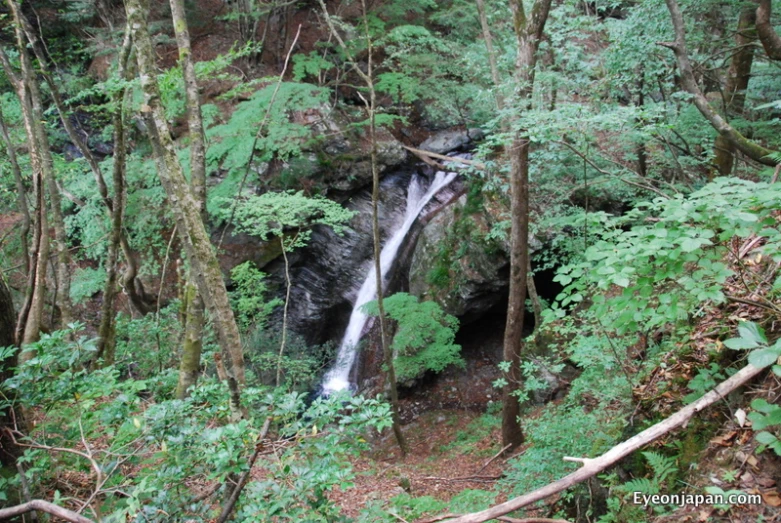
[(424, 336)]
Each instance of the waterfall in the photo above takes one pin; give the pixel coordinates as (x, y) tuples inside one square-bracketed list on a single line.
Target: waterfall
[(338, 378)]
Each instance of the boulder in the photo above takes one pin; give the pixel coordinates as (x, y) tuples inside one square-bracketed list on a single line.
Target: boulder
[(446, 141)]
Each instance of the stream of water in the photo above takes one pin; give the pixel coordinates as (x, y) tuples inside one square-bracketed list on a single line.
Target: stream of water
[(338, 377)]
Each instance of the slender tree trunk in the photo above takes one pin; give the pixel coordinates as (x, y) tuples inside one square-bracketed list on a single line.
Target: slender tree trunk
[(370, 107), (387, 350), (47, 165), (528, 31), (130, 283), (190, 366), (21, 196), (738, 77), (186, 208), (191, 350), (288, 286), (61, 245), (28, 326), (106, 339), (533, 296)]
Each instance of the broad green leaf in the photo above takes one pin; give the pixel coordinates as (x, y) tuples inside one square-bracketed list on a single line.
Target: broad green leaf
[(763, 357), (751, 331)]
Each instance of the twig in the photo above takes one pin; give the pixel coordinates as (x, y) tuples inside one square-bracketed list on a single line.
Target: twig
[(620, 451), (463, 478), (494, 458), (25, 488), (531, 520), (234, 497)]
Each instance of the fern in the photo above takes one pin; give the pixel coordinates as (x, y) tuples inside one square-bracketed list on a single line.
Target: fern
[(663, 466)]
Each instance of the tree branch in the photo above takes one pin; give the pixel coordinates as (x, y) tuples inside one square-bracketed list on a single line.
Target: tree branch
[(43, 506)]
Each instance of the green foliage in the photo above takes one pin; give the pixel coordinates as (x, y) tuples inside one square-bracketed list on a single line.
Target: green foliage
[(767, 418), (148, 345), (248, 296), (424, 335), (302, 364), (87, 282), (752, 337), (276, 213), (668, 268), (169, 444), (232, 142), (621, 509)]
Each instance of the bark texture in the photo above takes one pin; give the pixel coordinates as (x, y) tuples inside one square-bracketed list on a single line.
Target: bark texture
[(21, 196), (528, 32), (106, 339), (186, 209)]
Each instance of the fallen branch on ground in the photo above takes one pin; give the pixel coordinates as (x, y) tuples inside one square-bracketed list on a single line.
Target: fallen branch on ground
[(494, 458), (43, 506), (592, 467), (462, 478)]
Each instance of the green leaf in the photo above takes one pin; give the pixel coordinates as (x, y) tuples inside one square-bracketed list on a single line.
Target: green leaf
[(766, 438), (763, 357), (751, 331), (739, 344)]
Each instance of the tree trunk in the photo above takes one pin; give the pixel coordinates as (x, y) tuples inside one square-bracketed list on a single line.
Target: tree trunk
[(21, 196), (191, 349), (528, 32), (106, 338), (47, 166), (767, 35), (190, 366), (8, 452), (387, 350), (28, 326), (186, 208), (738, 76), (753, 150)]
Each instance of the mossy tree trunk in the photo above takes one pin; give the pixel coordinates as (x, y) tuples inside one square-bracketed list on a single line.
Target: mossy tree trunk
[(106, 331), (190, 364), (21, 193), (186, 209)]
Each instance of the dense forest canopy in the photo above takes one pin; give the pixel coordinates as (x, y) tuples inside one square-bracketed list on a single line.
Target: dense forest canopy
[(383, 260)]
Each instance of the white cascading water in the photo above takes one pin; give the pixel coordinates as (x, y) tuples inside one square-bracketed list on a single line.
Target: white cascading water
[(338, 378)]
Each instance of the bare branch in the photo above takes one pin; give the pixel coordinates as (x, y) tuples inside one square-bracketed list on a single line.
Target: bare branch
[(43, 506)]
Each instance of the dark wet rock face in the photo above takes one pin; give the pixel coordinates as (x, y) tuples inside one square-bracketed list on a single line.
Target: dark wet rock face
[(452, 266)]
